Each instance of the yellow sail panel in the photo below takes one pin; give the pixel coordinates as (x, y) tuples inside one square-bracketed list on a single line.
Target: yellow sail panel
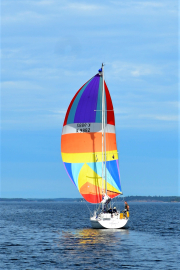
[(91, 184), (89, 157)]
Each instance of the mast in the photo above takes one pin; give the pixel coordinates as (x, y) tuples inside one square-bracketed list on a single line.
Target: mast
[(103, 133), (102, 128)]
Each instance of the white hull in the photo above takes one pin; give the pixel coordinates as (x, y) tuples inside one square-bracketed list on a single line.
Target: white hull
[(106, 221)]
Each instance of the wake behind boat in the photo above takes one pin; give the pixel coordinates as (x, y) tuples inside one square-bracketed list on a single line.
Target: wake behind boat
[(89, 150)]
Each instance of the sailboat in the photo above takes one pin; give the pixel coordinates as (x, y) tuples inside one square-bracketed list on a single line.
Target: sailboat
[(89, 151)]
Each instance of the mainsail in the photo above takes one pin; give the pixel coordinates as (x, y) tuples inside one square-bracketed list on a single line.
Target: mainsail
[(81, 143)]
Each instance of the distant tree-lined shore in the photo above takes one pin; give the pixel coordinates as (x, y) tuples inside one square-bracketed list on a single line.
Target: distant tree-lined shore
[(153, 198), (128, 198)]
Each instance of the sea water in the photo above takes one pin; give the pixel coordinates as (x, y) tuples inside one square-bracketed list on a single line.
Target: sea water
[(58, 235)]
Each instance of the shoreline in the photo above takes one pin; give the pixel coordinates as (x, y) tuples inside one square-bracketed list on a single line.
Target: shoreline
[(82, 200)]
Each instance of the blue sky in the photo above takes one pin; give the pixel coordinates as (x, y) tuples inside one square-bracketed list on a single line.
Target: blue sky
[(49, 49)]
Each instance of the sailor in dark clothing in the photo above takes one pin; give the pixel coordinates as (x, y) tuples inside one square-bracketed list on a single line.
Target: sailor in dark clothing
[(114, 210), (110, 210), (126, 209), (126, 206)]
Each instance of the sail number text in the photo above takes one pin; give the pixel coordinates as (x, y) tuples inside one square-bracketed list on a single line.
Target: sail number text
[(83, 127)]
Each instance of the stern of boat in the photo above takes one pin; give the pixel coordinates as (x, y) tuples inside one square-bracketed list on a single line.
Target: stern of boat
[(109, 221)]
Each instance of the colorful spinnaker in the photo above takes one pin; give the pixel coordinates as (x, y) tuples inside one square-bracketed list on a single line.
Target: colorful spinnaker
[(81, 142)]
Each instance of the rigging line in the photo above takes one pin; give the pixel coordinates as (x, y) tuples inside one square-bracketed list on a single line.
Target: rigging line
[(87, 206), (104, 126), (105, 144)]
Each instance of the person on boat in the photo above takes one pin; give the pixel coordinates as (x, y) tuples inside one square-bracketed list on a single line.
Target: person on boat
[(110, 210), (114, 210), (126, 208)]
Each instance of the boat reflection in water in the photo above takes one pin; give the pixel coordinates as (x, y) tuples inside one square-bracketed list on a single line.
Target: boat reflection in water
[(90, 236)]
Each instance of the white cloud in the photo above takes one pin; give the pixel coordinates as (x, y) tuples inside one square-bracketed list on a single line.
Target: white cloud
[(44, 64), (146, 5), (139, 71), (83, 6), (160, 117), (19, 85), (43, 11), (132, 69), (57, 112), (138, 114), (43, 2), (22, 17)]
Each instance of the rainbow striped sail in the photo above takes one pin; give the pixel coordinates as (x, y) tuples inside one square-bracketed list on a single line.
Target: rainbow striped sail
[(81, 143)]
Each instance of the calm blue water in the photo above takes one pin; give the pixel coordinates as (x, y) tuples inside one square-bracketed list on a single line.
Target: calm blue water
[(58, 236)]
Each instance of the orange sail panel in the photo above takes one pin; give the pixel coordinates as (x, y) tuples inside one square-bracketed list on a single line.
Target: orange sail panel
[(81, 143)]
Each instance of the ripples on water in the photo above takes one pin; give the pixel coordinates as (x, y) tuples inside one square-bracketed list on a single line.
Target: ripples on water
[(58, 236)]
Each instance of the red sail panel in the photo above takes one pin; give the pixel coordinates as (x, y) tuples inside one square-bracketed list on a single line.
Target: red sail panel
[(110, 109)]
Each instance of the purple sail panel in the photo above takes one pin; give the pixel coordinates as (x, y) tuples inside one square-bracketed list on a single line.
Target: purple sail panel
[(86, 109)]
